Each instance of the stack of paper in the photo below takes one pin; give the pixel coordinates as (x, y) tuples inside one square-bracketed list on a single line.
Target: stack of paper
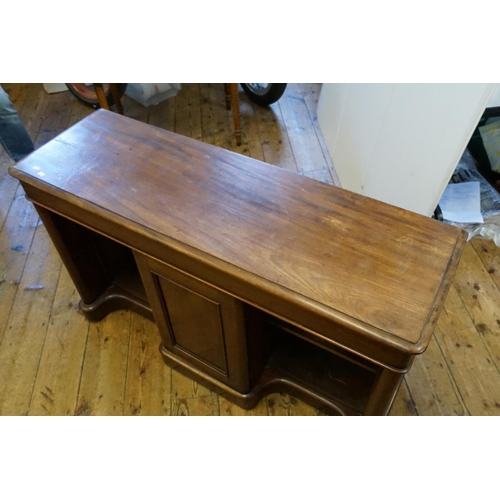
[(462, 202)]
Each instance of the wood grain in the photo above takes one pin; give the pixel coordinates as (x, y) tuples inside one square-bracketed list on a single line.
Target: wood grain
[(403, 405), (24, 337), (431, 384), (135, 110), (15, 242), (375, 275), (18, 220), (37, 114), (481, 298), (61, 361), (487, 252), (310, 93), (347, 253), (251, 141), (32, 102), (186, 388), (281, 405), (229, 409), (216, 120), (163, 115), (9, 185), (475, 374), (274, 137), (149, 380), (57, 118), (104, 372), (189, 398), (303, 140), (188, 116), (203, 406)]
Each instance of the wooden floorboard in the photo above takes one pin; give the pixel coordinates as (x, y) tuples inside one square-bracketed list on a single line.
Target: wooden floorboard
[(24, 337), (403, 405), (104, 372), (59, 372), (431, 384), (468, 359), (54, 362), (149, 380)]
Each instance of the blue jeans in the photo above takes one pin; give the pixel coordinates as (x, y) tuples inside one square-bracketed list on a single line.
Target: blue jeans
[(13, 136)]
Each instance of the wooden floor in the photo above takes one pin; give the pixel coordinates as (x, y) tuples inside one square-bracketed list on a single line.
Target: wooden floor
[(54, 362)]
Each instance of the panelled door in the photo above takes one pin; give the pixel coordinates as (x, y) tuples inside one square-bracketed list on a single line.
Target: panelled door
[(198, 322)]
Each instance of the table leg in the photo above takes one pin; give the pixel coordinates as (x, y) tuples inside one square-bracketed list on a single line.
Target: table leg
[(383, 393)]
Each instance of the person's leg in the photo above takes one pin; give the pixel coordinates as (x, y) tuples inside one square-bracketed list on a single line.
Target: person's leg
[(13, 135)]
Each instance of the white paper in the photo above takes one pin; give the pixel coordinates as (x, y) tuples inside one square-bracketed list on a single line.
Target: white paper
[(462, 202)]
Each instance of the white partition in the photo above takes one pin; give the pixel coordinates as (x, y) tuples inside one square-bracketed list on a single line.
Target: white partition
[(399, 143), (495, 98)]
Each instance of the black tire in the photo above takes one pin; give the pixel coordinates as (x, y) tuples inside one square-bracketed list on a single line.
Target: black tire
[(264, 93), (85, 93)]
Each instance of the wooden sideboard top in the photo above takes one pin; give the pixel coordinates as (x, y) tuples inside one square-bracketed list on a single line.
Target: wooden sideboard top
[(379, 267)]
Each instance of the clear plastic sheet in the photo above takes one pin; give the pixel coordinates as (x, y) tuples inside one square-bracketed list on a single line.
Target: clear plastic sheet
[(150, 94), (466, 171), (490, 134)]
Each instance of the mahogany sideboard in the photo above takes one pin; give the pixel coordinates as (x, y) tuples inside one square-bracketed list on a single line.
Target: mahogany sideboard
[(260, 280)]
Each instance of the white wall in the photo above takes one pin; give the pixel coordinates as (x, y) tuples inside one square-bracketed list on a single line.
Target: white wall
[(399, 143), (495, 98)]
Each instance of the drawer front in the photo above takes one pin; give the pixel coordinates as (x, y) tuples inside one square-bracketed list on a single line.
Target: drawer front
[(199, 323)]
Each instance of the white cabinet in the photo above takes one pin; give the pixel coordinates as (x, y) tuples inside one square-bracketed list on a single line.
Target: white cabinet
[(399, 143)]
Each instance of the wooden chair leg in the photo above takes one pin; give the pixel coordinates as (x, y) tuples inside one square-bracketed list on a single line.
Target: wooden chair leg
[(116, 97), (235, 102), (101, 96), (228, 95)]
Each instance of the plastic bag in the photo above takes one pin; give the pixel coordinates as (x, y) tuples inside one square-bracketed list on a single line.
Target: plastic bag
[(490, 134), (466, 171), (150, 94)]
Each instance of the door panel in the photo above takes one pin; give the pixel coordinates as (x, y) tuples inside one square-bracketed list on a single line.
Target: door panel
[(195, 323), (198, 322)]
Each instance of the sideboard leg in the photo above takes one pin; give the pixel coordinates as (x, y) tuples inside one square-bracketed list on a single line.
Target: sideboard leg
[(74, 244), (383, 393)]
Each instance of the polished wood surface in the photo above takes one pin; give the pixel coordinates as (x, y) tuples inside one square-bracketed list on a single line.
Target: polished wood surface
[(368, 265), (457, 375), (212, 225)]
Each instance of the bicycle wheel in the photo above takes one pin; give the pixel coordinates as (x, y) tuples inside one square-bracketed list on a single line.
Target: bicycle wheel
[(85, 92), (264, 93)]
